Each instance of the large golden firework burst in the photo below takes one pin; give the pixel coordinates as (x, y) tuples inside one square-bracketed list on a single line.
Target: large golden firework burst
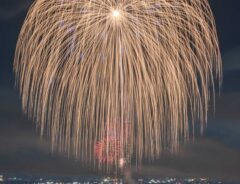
[(81, 64)]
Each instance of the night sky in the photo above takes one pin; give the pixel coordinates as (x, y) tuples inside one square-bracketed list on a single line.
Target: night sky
[(215, 154)]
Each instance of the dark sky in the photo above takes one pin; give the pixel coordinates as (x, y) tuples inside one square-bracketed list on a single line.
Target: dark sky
[(216, 154)]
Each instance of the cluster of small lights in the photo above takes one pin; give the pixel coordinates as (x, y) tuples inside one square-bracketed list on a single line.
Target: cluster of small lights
[(105, 180)]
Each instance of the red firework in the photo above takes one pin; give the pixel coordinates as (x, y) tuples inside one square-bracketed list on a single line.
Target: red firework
[(109, 150)]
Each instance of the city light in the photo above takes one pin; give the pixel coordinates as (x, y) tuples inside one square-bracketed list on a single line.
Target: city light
[(22, 179)]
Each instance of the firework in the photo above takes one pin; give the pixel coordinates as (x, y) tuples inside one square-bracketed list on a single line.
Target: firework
[(110, 150), (82, 63)]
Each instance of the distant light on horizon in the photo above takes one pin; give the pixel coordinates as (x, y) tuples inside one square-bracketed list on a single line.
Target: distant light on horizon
[(91, 179)]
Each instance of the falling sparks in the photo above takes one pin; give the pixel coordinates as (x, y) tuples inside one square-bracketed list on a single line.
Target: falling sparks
[(152, 63)]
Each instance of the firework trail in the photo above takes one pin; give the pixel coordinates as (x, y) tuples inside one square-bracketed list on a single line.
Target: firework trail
[(82, 63)]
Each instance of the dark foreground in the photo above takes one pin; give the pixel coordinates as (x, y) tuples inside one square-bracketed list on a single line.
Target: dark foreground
[(28, 179)]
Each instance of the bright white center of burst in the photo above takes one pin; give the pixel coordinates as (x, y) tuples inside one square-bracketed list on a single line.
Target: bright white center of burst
[(115, 13)]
